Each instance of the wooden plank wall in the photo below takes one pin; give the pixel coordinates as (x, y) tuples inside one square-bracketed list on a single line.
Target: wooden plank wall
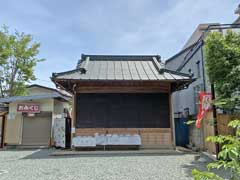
[(222, 122), (123, 87), (151, 137), (208, 130), (222, 125), (127, 89)]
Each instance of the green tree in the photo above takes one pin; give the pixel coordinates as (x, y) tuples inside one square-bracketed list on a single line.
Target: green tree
[(222, 52), (223, 68), (18, 57)]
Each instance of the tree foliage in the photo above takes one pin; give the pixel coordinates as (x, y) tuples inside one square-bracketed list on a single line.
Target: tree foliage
[(228, 157), (18, 57), (223, 68), (222, 53)]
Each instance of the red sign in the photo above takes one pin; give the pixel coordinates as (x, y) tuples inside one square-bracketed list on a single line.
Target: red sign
[(205, 104), (28, 108)]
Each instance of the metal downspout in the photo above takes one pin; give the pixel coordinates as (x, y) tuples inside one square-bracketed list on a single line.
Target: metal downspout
[(203, 68)]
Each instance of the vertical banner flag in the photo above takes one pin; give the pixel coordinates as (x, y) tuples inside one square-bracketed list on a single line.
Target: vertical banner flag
[(205, 100)]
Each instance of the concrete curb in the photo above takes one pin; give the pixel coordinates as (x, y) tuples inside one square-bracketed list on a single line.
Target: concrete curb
[(133, 152), (209, 156)]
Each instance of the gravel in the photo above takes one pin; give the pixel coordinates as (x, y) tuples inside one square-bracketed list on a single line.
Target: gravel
[(37, 164)]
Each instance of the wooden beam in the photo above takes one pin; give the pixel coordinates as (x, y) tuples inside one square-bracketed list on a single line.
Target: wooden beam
[(92, 131), (110, 89), (122, 87), (117, 83), (74, 113), (171, 119)]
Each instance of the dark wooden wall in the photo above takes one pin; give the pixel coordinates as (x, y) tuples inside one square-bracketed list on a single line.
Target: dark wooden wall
[(122, 110)]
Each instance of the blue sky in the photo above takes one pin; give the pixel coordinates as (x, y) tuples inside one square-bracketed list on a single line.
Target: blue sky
[(68, 28)]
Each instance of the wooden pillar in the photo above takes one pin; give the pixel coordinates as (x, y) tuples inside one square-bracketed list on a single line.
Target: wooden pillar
[(3, 132), (172, 123), (74, 112)]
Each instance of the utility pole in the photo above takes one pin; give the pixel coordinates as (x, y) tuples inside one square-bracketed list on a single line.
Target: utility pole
[(214, 117)]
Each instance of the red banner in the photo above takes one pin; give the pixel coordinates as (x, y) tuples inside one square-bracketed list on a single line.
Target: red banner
[(28, 108), (205, 100)]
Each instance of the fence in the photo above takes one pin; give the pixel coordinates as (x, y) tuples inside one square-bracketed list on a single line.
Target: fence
[(208, 130), (223, 120), (222, 125)]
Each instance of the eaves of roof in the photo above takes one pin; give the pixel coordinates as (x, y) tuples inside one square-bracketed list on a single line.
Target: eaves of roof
[(33, 97)]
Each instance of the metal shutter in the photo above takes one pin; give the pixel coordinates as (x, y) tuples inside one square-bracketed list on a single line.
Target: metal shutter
[(37, 131)]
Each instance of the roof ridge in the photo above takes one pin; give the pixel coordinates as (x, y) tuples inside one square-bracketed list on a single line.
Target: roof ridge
[(122, 57), (85, 57), (64, 72), (41, 86)]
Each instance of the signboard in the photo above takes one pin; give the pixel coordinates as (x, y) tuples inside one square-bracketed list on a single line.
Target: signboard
[(28, 108), (109, 139), (205, 104)]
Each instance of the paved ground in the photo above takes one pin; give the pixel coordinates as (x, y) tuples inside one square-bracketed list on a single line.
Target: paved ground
[(37, 164)]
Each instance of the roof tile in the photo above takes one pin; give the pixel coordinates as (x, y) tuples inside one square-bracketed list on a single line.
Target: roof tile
[(120, 68)]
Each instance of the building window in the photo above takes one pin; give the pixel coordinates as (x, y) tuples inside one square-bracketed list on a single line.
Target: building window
[(190, 72), (198, 69), (186, 112)]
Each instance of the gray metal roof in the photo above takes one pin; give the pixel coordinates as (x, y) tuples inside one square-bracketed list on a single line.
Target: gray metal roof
[(101, 67), (33, 97)]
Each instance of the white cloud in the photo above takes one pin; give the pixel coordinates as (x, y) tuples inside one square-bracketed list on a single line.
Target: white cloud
[(68, 28), (166, 32)]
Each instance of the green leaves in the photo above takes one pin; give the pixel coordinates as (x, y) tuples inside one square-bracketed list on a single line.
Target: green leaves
[(223, 62), (189, 122), (234, 123), (18, 57), (228, 157), (223, 68), (230, 104), (205, 175)]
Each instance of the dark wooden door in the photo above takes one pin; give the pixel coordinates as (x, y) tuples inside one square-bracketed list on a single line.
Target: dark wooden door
[(123, 110)]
